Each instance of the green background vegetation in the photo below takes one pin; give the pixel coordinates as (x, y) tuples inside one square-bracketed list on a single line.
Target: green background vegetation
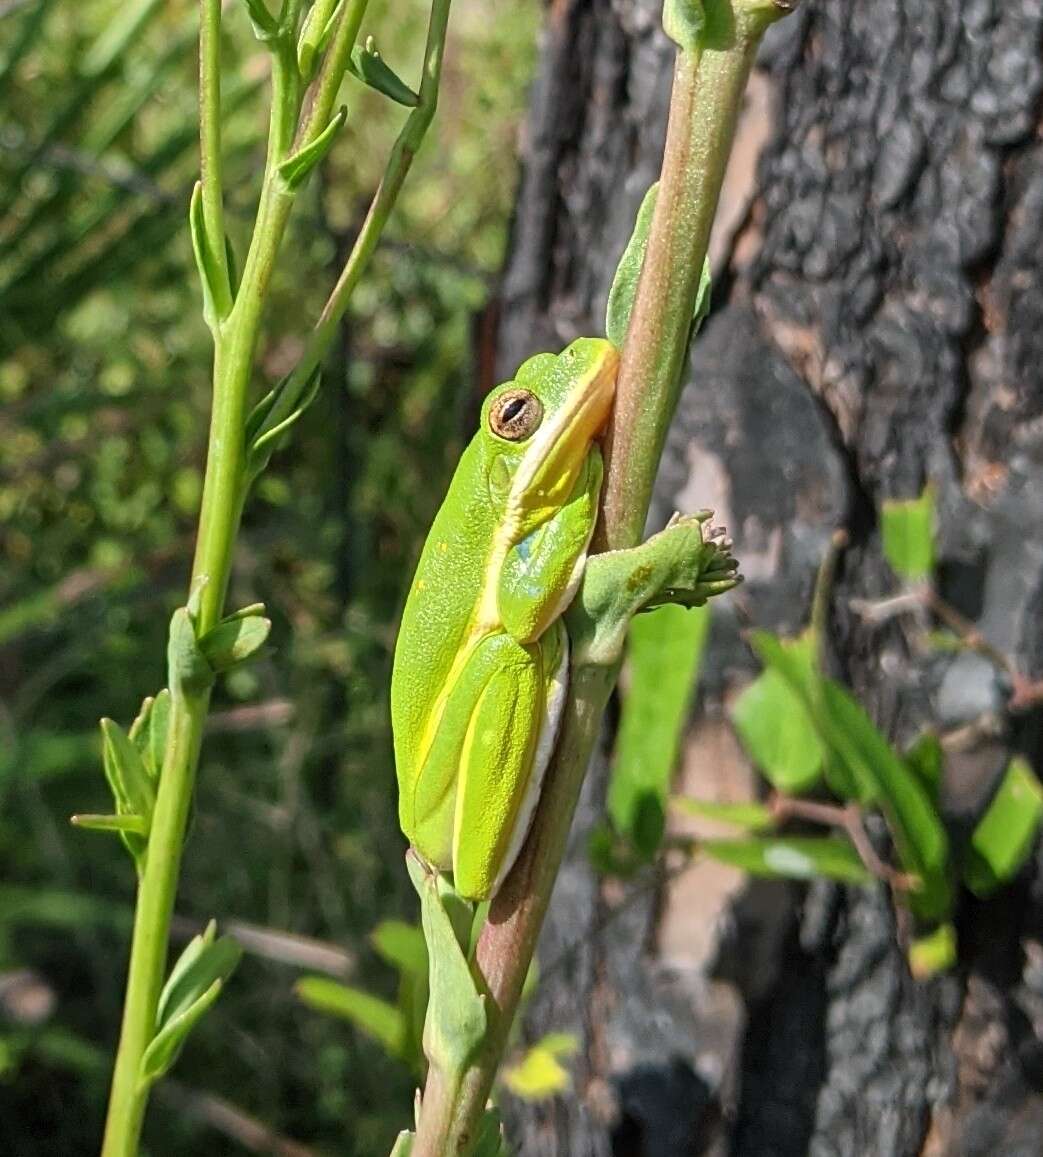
[(104, 394)]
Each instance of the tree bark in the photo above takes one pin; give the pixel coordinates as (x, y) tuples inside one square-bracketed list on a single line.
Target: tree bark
[(877, 323)]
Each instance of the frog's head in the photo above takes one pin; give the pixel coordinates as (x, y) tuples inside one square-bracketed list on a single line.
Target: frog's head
[(539, 428)]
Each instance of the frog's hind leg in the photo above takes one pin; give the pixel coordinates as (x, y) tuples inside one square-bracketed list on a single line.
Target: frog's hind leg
[(506, 748)]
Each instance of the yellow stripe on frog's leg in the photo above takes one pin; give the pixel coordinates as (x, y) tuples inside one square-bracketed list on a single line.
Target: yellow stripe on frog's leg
[(496, 761), (540, 573)]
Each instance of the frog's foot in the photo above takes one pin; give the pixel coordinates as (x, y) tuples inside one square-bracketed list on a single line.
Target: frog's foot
[(687, 562)]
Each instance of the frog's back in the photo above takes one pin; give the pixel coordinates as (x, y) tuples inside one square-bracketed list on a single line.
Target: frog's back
[(441, 602)]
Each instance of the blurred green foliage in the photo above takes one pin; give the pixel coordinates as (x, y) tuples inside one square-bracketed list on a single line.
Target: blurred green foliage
[(104, 392)]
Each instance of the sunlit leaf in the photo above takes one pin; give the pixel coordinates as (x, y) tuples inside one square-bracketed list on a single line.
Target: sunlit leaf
[(751, 816), (907, 528), (775, 728), (401, 945), (375, 1017), (664, 651), (1006, 833), (791, 857)]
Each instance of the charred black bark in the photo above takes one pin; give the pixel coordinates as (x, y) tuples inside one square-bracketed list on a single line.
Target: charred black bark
[(877, 323)]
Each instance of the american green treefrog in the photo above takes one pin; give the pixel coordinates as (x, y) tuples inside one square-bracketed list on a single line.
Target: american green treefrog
[(482, 659)]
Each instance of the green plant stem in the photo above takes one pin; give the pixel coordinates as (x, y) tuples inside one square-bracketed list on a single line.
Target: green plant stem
[(210, 140), (225, 483), (706, 97), (400, 160)]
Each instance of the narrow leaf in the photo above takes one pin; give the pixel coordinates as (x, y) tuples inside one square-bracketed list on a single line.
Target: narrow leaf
[(1006, 834), (159, 722), (168, 1042), (131, 784), (624, 284), (868, 760), (375, 1017), (456, 1016), (204, 960), (262, 442), (295, 169), (754, 817), (119, 33), (907, 528), (793, 858), (133, 824), (368, 66), (664, 649), (776, 731), (233, 641), (216, 304), (926, 760), (315, 35), (401, 945)]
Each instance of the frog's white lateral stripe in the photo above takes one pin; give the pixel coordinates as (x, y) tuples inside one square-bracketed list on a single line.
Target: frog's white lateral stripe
[(553, 707)]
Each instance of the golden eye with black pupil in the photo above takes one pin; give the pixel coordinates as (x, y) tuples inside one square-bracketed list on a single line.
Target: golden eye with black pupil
[(515, 415)]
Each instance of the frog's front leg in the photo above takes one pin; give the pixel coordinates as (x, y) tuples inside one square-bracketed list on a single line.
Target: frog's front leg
[(686, 563), (480, 778)]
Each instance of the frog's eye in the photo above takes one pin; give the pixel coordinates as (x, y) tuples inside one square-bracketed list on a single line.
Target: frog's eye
[(515, 415)]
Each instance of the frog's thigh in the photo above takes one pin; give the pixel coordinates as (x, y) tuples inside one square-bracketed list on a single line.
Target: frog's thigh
[(496, 760), (496, 666)]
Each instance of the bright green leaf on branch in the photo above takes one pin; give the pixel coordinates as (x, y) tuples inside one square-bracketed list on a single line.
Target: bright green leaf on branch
[(375, 1017), (664, 651), (933, 953), (368, 66), (754, 817), (1005, 835), (775, 728), (907, 527), (791, 857)]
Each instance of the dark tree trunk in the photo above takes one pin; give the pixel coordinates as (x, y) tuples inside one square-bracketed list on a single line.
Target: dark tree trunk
[(877, 323)]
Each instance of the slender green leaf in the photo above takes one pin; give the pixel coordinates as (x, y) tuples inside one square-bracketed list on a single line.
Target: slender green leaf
[(907, 528), (315, 35), (128, 24), (456, 1015), (791, 857), (401, 945), (296, 168), (665, 647), (775, 728), (926, 760), (869, 762), (628, 272), (1006, 833), (375, 1017), (165, 1046), (216, 303), (131, 785), (131, 824), (206, 958), (753, 817), (369, 66)]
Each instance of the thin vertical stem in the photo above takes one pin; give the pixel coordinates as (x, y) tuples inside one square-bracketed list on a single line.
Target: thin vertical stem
[(706, 97)]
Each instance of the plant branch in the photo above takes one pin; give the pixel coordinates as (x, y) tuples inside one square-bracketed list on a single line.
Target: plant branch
[(211, 168), (707, 92), (404, 150)]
